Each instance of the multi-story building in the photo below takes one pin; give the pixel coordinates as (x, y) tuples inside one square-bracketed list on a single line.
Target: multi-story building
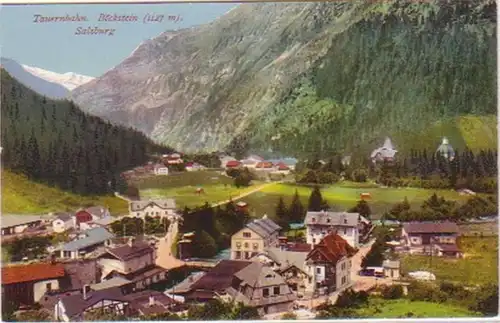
[(254, 238), (329, 265), (319, 224), (438, 238), (153, 208), (251, 283)]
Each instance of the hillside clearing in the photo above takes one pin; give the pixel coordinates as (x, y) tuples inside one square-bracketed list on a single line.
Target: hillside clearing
[(22, 196)]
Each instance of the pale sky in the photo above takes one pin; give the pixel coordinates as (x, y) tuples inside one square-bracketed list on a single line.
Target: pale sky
[(55, 47)]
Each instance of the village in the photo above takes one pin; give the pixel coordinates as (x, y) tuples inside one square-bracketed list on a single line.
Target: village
[(97, 268)]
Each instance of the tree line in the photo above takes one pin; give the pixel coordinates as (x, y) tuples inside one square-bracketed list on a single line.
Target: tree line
[(54, 142), (212, 227), (476, 171)]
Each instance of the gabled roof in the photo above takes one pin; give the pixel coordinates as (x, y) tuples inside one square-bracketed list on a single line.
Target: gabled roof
[(333, 248), (31, 272), (127, 252), (12, 220), (286, 258), (63, 216), (221, 276), (259, 275), (264, 164), (332, 218), (431, 227), (99, 211), (386, 151), (255, 157), (92, 237), (76, 304), (163, 204), (110, 283), (263, 227)]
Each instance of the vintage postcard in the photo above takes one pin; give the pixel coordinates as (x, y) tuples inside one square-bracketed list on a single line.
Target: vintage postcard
[(249, 161)]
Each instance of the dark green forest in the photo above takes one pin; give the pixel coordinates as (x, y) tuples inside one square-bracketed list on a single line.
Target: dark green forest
[(54, 142), (405, 69)]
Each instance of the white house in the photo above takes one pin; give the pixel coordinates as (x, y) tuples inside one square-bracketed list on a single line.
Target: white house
[(153, 208), (319, 224), (63, 222), (329, 265), (160, 169)]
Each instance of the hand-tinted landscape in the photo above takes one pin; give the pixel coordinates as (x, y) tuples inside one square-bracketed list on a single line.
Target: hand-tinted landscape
[(283, 160)]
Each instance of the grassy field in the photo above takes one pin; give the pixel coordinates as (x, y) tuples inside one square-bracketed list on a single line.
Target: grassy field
[(183, 187), (479, 265), (380, 308), (21, 196), (343, 196), (479, 229)]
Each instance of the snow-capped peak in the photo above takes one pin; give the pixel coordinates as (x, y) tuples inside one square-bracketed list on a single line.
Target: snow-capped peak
[(69, 80)]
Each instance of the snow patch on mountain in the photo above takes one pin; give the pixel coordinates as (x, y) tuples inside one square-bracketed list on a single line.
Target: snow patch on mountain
[(69, 80)]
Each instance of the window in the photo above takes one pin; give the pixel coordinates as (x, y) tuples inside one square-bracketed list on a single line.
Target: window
[(318, 270), (138, 214), (238, 245), (255, 246), (49, 287), (345, 231), (310, 280), (328, 220), (318, 285), (237, 255), (345, 221), (246, 244), (276, 290), (313, 219), (314, 240), (247, 234), (265, 292)]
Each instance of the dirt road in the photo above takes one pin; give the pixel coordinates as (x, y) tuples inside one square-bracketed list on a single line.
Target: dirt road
[(242, 195)]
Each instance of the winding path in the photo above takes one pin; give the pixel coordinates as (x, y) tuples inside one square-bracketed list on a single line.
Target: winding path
[(165, 258)]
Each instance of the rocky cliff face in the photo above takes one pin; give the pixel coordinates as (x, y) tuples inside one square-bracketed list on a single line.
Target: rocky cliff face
[(221, 84)]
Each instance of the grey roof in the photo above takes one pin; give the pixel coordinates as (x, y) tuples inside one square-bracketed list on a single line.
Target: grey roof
[(97, 210), (113, 282), (93, 237), (64, 216), (431, 227), (259, 275), (75, 304), (185, 285), (12, 220), (163, 204), (126, 252), (394, 264), (104, 221), (288, 258), (263, 227), (332, 218)]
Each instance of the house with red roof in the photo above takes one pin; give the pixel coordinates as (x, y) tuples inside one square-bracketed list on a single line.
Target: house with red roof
[(233, 164), (26, 284), (329, 265)]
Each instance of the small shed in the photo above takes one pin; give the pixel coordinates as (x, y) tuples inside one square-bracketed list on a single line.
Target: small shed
[(391, 268)]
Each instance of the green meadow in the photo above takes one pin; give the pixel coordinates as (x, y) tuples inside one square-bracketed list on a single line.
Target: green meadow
[(404, 308), (478, 266), (22, 196), (343, 196)]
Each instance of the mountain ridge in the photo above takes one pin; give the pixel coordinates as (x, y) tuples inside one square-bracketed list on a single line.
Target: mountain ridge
[(234, 83), (44, 82)]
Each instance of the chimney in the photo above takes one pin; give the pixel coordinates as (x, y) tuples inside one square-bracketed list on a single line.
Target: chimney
[(151, 300), (86, 292), (130, 242)]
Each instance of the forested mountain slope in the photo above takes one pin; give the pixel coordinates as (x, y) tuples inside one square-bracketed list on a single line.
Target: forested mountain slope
[(53, 141), (303, 78)]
